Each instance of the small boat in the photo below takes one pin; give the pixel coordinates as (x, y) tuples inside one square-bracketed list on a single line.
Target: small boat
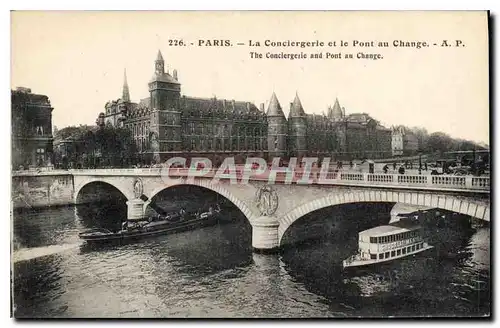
[(153, 226), (388, 243)]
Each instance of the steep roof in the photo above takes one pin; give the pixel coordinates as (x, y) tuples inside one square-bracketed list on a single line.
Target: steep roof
[(210, 105), (296, 108), (213, 105), (144, 102), (359, 117), (336, 110), (159, 57), (165, 77), (162, 76), (274, 108), (125, 91)]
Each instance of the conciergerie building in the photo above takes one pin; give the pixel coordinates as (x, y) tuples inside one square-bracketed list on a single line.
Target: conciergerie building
[(168, 124)]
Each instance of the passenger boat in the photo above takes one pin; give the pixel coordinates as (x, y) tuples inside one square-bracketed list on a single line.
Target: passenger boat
[(161, 224), (387, 243)]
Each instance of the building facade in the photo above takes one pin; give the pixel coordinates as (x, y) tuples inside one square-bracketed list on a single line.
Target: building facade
[(168, 124), (32, 138), (404, 142)]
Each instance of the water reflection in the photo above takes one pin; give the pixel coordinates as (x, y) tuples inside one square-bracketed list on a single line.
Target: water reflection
[(338, 222), (41, 227), (37, 284), (101, 215), (429, 284), (212, 272)]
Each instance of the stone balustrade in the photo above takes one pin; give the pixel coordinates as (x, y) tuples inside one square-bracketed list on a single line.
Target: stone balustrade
[(438, 182)]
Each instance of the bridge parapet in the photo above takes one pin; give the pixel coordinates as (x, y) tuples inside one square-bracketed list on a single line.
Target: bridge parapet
[(462, 194), (421, 182)]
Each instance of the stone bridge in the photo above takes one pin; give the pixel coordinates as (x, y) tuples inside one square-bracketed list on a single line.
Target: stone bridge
[(462, 194)]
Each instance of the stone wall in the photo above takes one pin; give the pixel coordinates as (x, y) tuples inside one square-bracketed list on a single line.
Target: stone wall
[(41, 191)]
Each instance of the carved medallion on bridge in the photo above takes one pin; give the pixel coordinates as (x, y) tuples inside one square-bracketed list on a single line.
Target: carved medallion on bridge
[(138, 188), (266, 200)]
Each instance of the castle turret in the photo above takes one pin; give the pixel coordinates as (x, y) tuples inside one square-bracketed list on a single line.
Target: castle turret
[(297, 129), (336, 113), (277, 129), (165, 126)]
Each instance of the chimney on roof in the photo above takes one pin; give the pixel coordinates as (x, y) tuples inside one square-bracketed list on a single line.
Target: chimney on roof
[(248, 107), (174, 74), (233, 103), (224, 103), (262, 107)]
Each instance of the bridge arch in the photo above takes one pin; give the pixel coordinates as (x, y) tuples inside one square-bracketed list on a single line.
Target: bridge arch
[(453, 203), (215, 187), (126, 192)]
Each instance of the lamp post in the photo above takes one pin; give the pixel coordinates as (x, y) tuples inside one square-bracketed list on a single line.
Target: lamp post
[(419, 162)]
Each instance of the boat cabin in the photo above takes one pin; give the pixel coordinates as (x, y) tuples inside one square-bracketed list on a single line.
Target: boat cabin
[(385, 242)]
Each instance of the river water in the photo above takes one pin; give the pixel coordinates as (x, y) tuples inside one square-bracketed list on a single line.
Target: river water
[(212, 272)]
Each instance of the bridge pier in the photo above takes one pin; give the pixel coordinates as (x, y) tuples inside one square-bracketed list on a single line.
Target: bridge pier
[(265, 234), (135, 209)]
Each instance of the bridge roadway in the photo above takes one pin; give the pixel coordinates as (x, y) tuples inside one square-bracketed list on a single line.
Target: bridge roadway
[(294, 194)]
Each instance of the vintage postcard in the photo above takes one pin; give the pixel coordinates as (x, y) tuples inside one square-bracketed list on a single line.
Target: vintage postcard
[(250, 164)]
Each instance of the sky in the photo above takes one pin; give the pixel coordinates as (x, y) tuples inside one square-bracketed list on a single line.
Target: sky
[(78, 59)]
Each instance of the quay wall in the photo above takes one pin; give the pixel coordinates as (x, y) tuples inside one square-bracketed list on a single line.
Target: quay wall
[(29, 191)]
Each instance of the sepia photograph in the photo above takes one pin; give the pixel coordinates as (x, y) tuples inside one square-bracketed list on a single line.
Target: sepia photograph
[(250, 164)]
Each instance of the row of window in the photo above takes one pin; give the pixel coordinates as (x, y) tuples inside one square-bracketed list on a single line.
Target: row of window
[(228, 144), (192, 128), (138, 129), (393, 238), (143, 145), (398, 252)]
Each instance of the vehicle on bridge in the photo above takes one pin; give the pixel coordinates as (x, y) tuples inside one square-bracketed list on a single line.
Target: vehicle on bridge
[(387, 243), (153, 226)]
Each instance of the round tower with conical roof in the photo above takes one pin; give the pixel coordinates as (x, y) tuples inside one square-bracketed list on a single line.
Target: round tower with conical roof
[(277, 129), (297, 129), (165, 125), (336, 113)]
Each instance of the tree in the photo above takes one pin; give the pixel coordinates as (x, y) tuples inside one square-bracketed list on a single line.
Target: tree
[(440, 142), (99, 146), (422, 137)]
